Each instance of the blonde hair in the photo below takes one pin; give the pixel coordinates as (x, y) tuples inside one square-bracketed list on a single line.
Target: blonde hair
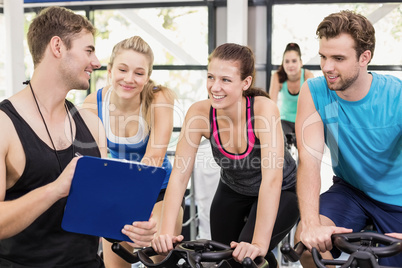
[(137, 44)]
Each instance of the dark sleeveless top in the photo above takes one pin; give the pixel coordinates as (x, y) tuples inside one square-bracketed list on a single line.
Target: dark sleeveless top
[(44, 243), (242, 172)]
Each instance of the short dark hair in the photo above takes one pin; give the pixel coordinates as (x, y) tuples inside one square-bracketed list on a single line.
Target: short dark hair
[(356, 25), (55, 21)]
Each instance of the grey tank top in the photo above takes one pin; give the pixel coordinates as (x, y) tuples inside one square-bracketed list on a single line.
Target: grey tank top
[(242, 172)]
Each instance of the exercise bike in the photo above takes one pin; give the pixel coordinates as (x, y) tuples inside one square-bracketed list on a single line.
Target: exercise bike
[(200, 253), (364, 249)]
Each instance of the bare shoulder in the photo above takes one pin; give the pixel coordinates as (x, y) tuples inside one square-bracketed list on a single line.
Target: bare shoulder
[(8, 131), (91, 102), (197, 118), (275, 77), (267, 121), (305, 97), (96, 128), (274, 87), (265, 106), (87, 115), (164, 96), (3, 152), (200, 108), (91, 120), (275, 82), (308, 74), (306, 109), (7, 135), (91, 98)]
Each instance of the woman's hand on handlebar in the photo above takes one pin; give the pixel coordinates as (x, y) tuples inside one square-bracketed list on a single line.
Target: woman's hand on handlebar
[(244, 249), (140, 232), (163, 244), (319, 236)]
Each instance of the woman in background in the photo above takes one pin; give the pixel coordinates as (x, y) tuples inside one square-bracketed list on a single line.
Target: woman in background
[(287, 81)]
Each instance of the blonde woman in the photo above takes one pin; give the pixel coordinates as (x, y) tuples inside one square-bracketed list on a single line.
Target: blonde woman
[(138, 118)]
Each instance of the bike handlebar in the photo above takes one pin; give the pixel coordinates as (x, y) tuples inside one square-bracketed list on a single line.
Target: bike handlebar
[(391, 245), (193, 252), (366, 251)]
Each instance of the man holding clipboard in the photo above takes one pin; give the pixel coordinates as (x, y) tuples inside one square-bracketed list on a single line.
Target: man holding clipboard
[(107, 194), (41, 132)]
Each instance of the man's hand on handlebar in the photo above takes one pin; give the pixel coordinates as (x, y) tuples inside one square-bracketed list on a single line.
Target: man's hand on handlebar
[(163, 244), (396, 235), (244, 249), (319, 236), (364, 249)]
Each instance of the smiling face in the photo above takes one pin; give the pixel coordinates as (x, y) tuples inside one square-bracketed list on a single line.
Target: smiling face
[(225, 87), (292, 63), (339, 62), (129, 73), (79, 61)]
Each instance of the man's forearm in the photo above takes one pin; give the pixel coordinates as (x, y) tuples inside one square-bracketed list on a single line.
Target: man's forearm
[(308, 192)]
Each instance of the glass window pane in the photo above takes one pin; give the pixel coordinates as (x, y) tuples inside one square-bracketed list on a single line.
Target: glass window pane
[(29, 16), (171, 32), (389, 37), (386, 18), (260, 79), (189, 86), (77, 96), (98, 79)]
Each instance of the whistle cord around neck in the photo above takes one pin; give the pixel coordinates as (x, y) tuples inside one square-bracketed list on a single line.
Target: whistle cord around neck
[(28, 82)]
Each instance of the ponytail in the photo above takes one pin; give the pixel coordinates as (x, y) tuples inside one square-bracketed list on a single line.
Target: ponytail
[(254, 91), (147, 97)]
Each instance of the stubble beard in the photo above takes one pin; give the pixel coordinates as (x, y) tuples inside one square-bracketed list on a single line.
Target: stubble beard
[(344, 83), (75, 82)]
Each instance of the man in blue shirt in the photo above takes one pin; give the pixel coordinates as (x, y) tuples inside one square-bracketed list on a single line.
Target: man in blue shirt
[(357, 114)]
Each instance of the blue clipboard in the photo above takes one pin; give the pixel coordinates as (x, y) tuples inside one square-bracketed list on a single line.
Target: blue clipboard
[(107, 194)]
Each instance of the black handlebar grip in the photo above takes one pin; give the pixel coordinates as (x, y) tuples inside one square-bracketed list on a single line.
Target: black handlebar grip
[(144, 256), (124, 253), (293, 254), (248, 263), (259, 262)]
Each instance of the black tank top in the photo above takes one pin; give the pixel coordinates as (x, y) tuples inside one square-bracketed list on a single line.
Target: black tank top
[(242, 172), (44, 243)]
